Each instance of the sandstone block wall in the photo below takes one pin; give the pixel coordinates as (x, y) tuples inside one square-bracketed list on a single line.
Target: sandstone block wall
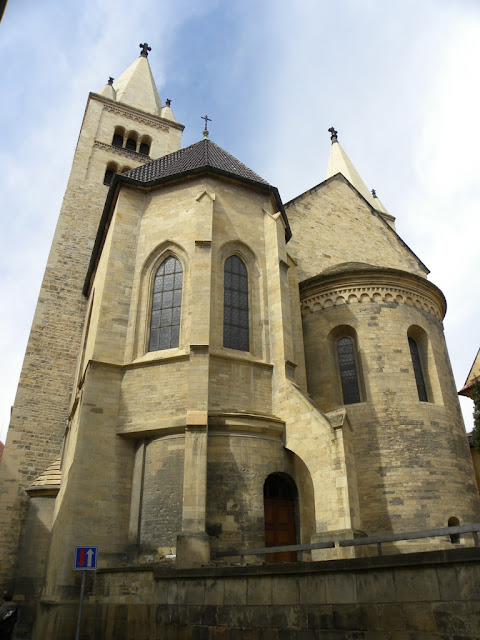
[(430, 596), (41, 408), (413, 465), (238, 466), (332, 224)]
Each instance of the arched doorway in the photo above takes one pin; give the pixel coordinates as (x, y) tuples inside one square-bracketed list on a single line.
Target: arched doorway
[(279, 499)]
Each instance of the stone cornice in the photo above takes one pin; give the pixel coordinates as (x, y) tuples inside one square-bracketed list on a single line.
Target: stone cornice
[(121, 151), (134, 114), (371, 285), (131, 115)]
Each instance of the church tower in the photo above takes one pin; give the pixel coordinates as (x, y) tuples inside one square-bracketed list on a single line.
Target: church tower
[(125, 125)]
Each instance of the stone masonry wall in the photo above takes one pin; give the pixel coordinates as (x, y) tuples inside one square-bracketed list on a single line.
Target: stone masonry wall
[(40, 411), (413, 464), (332, 224), (422, 596)]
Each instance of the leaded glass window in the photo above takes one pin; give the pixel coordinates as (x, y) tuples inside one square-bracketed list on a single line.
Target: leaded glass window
[(417, 370), (348, 370), (235, 305), (166, 305)]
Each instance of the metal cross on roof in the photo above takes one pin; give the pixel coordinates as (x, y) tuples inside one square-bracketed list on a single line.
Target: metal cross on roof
[(207, 120), (144, 49), (334, 133)]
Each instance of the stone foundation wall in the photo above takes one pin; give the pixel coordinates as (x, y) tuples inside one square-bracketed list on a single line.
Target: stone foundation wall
[(434, 595)]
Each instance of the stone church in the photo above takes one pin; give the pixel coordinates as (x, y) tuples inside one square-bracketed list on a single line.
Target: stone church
[(211, 369)]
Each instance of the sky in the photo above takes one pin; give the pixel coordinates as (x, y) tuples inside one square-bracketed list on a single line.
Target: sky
[(398, 80)]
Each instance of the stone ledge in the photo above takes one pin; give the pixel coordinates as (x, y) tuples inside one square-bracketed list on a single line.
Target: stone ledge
[(422, 558)]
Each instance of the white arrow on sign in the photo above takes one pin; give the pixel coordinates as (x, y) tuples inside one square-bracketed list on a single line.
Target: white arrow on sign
[(90, 554)]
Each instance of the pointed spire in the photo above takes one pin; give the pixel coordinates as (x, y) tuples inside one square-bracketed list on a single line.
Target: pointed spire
[(108, 91), (167, 112), (136, 86), (339, 162)]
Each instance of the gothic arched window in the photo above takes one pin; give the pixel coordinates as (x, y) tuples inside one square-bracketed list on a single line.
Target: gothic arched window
[(348, 370), (235, 305), (417, 370), (166, 306)]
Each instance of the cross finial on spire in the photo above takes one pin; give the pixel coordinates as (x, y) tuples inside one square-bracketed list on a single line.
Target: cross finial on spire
[(168, 102), (374, 193), (144, 49), (207, 120), (110, 80), (334, 134)]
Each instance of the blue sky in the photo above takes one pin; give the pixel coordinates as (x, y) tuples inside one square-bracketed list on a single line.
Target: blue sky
[(399, 81)]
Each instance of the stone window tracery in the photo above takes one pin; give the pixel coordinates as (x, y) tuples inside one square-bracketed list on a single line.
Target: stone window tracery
[(166, 305), (235, 305)]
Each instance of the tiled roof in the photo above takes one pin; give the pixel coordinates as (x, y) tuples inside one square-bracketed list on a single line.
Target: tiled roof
[(50, 479), (197, 156)]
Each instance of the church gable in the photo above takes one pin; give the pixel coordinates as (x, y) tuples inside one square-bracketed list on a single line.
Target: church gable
[(333, 224)]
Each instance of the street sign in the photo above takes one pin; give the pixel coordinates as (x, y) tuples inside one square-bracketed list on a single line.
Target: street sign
[(86, 558)]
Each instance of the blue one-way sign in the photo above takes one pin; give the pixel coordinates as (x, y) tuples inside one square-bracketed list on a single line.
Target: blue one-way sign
[(86, 558)]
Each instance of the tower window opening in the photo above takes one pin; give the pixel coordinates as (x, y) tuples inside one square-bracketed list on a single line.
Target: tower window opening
[(348, 370), (166, 305), (235, 305), (131, 144), (145, 143), (110, 171), (117, 140), (118, 137), (417, 370)]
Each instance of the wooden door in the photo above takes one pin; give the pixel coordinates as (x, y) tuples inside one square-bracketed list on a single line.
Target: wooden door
[(280, 528)]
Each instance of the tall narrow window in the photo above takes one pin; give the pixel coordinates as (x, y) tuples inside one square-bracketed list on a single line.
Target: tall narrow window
[(235, 305), (348, 370), (166, 305), (417, 370)]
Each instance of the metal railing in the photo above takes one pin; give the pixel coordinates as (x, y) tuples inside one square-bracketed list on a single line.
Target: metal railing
[(355, 542)]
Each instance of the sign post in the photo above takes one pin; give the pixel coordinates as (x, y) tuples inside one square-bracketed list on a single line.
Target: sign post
[(85, 560)]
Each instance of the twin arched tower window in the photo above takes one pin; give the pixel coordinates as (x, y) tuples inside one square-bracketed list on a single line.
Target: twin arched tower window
[(167, 301), (348, 370), (235, 305), (166, 305)]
